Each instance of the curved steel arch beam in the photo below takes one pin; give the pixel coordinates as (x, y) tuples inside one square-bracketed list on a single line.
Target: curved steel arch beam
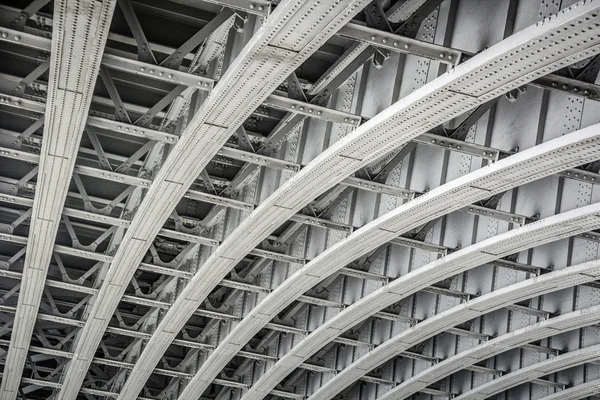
[(294, 30), (534, 371), (478, 80), (508, 341), (491, 348), (577, 392), (537, 233), (541, 330), (526, 166), (77, 46)]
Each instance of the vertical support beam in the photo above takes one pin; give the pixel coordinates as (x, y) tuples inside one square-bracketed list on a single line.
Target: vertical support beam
[(80, 32)]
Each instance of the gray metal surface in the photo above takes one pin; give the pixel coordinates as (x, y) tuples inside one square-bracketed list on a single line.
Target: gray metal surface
[(526, 166), (577, 392), (443, 99), (77, 47), (568, 360), (537, 233), (243, 177)]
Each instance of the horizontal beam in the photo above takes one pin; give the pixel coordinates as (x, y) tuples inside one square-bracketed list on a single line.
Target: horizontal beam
[(442, 322), (470, 84), (534, 371), (177, 77), (483, 182), (401, 44)]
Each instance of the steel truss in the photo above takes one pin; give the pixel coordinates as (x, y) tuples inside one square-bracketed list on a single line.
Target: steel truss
[(535, 371), (91, 227), (348, 155), (254, 75), (80, 36), (494, 248), (375, 234)]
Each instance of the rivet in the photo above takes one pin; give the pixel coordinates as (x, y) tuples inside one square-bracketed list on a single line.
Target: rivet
[(407, 46), (17, 38), (373, 37), (395, 43), (260, 8), (142, 69)]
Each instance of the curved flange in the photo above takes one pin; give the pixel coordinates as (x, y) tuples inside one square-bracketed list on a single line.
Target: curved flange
[(534, 371), (491, 348), (480, 79), (537, 233), (522, 168), (80, 33), (291, 33), (577, 392)]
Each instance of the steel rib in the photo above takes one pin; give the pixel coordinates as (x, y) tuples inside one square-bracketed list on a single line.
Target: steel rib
[(541, 330), (336, 257), (282, 44), (534, 234), (391, 128), (533, 371), (454, 364), (81, 32), (576, 392)]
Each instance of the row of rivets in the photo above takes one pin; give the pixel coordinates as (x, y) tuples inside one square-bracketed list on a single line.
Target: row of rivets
[(576, 175), (407, 46), (7, 100), (141, 132), (170, 76)]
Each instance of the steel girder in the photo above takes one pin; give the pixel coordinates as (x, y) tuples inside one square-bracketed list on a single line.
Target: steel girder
[(542, 330), (368, 143), (329, 261), (437, 202), (526, 374), (529, 288), (187, 274), (537, 233), (581, 391), (272, 54), (77, 47)]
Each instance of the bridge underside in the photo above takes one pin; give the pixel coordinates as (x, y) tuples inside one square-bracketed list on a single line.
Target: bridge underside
[(166, 165)]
